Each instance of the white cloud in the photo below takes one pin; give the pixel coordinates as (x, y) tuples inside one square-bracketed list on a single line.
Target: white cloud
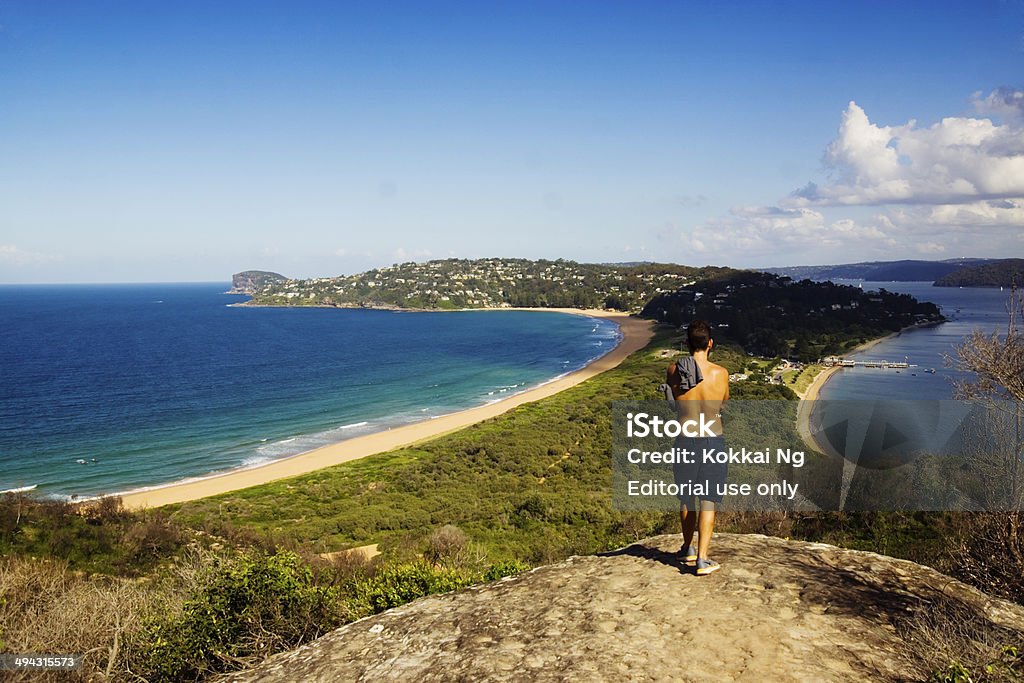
[(931, 248), (779, 223), (953, 187), (766, 230), (956, 160), (1004, 213), (988, 218), (403, 254), (847, 230), (1003, 102), (13, 256)]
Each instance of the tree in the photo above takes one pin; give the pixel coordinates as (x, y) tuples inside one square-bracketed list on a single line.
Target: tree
[(997, 364), (997, 361), (991, 544)]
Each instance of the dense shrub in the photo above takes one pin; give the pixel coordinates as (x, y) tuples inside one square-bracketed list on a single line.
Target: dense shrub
[(209, 613), (243, 610), (500, 570), (401, 583), (98, 536)]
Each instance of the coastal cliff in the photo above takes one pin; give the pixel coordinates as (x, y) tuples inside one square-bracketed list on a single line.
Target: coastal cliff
[(778, 610)]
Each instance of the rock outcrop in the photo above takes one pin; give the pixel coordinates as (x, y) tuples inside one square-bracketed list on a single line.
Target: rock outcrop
[(777, 611), (249, 281)]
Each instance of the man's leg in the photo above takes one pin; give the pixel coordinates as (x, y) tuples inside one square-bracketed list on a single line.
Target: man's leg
[(716, 476), (705, 526), (688, 521)]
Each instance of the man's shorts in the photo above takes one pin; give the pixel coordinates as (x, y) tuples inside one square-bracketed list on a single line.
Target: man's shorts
[(714, 473)]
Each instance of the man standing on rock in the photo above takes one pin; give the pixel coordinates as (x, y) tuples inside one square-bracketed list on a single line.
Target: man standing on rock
[(699, 386)]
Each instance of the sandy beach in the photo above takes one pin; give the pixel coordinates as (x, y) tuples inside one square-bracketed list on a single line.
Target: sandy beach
[(812, 391), (803, 411), (806, 405), (635, 335)]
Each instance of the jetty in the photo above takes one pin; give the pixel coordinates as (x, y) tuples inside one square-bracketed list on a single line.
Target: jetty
[(838, 361)]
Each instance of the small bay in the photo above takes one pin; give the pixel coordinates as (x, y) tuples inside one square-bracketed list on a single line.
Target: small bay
[(966, 308), (107, 388)]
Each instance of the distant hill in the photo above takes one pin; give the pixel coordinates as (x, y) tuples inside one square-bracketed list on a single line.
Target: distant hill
[(1003, 273), (898, 271), (488, 283), (251, 281), (772, 315)]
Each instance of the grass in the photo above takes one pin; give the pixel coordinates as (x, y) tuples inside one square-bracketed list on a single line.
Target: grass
[(800, 380)]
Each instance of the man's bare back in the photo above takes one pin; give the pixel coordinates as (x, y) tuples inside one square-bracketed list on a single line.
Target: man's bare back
[(708, 396), (715, 386)]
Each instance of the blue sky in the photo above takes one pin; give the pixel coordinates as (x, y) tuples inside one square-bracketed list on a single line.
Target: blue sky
[(186, 141)]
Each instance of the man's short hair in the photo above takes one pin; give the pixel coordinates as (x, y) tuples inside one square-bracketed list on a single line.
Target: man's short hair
[(698, 334)]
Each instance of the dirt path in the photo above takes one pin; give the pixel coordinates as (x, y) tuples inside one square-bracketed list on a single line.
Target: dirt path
[(367, 551)]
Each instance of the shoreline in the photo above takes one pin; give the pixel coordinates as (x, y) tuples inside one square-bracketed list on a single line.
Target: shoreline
[(634, 335), (826, 374), (592, 312), (813, 391)]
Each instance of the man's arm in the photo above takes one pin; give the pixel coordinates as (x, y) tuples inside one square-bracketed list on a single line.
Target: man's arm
[(672, 379)]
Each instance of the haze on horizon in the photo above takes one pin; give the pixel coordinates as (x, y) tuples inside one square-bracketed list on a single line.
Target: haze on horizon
[(186, 142)]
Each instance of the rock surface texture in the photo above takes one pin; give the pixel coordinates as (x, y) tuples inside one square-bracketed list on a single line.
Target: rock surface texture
[(777, 611)]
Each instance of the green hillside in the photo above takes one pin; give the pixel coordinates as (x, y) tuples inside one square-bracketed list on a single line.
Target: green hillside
[(1004, 273), (489, 283)]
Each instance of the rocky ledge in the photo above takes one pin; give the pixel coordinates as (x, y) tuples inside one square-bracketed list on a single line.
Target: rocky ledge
[(777, 611)]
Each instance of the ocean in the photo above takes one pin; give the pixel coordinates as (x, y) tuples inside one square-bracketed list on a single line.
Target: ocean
[(110, 388), (966, 308)]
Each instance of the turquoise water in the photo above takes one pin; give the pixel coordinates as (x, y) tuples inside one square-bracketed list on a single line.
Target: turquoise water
[(117, 387), (967, 308)]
